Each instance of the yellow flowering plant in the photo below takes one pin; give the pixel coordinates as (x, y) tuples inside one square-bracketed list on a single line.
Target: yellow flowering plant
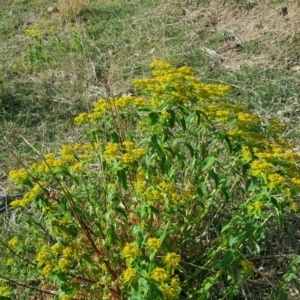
[(168, 195)]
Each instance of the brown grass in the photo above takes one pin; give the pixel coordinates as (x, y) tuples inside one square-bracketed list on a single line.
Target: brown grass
[(71, 8)]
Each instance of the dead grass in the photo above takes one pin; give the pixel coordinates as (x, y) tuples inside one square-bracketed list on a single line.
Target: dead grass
[(231, 31), (71, 8)]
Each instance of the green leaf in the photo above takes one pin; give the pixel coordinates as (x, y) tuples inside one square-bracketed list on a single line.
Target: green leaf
[(229, 258), (115, 137), (233, 238), (281, 294), (111, 235), (171, 121), (288, 277), (278, 209), (122, 177), (208, 162), (5, 298), (121, 212), (208, 283), (249, 185), (183, 124), (134, 295), (228, 143), (215, 177), (157, 147), (170, 150), (167, 134), (153, 118), (296, 260), (191, 149)]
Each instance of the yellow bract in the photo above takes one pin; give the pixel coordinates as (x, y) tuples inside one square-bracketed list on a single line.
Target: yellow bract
[(172, 259), (160, 274), (14, 241), (129, 274), (130, 250), (154, 243)]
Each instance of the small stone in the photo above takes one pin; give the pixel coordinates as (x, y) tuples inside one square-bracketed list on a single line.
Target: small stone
[(51, 10)]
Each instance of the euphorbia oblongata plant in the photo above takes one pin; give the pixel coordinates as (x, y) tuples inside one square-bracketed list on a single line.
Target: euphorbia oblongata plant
[(167, 196)]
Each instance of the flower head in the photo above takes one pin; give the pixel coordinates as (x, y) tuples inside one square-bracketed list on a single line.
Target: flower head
[(56, 248), (129, 274), (294, 206), (19, 175), (172, 259), (14, 241), (130, 250), (159, 274), (47, 270), (63, 264), (111, 150), (169, 292), (154, 243)]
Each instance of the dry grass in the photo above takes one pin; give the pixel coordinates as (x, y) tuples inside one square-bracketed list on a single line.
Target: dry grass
[(71, 8)]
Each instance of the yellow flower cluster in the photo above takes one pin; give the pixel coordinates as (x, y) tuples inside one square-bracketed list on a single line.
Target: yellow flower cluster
[(248, 119), (222, 112), (246, 153), (42, 257), (67, 251), (110, 105), (262, 149), (132, 154), (50, 255), (130, 250), (4, 289), (160, 274), (30, 196), (260, 167), (19, 175), (14, 241), (276, 180), (65, 297), (176, 85), (169, 292), (56, 248), (73, 157), (269, 156), (247, 264), (257, 206), (47, 270), (172, 259), (10, 261), (249, 136), (63, 264), (32, 32), (175, 281), (170, 191), (276, 127), (154, 243), (140, 186), (223, 115), (111, 150), (129, 274), (294, 206), (81, 118)]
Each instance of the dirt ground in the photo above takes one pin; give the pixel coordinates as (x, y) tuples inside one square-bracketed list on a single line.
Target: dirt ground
[(257, 34)]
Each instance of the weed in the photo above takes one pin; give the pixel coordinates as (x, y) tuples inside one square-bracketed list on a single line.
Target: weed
[(71, 8), (118, 216), (95, 53)]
